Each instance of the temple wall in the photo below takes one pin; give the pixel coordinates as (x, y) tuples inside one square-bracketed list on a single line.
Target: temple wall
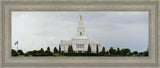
[(65, 44)]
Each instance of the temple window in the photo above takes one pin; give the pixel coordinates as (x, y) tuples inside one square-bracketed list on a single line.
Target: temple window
[(80, 33)]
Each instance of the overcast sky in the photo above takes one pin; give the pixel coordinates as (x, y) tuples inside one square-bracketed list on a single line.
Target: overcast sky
[(40, 29)]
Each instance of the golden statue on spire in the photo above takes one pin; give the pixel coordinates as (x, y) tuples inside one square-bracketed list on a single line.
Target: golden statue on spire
[(80, 17)]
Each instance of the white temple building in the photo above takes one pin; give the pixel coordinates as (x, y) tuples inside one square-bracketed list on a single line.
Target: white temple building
[(80, 42)]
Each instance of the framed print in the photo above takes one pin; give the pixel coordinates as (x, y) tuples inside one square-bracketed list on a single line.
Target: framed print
[(81, 34)]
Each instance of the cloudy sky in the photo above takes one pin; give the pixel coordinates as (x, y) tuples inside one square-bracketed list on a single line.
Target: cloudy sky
[(40, 29)]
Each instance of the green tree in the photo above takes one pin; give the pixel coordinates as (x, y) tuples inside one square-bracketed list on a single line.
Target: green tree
[(97, 50), (29, 53), (41, 52), (20, 52), (55, 50), (103, 50), (122, 51), (59, 48), (141, 53), (145, 53), (35, 53), (126, 52), (135, 52), (130, 54), (112, 51), (48, 52), (70, 49), (14, 53), (89, 48), (107, 52), (118, 51)]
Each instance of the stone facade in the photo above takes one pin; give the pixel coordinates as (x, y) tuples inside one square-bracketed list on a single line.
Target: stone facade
[(80, 42)]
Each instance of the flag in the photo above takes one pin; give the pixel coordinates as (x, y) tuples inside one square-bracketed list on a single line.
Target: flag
[(16, 43)]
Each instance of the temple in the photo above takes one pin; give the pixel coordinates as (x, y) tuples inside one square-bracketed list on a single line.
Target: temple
[(80, 42)]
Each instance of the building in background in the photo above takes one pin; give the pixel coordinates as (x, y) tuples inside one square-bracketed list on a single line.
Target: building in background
[(80, 42)]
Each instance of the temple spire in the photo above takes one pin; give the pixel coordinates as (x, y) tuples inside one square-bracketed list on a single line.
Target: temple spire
[(80, 17), (81, 29)]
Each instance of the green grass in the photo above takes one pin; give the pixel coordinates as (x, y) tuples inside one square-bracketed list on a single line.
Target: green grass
[(59, 55), (21, 55), (30, 55)]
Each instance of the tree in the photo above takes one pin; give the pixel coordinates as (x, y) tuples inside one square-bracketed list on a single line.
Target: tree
[(55, 50), (112, 51), (59, 48), (135, 52), (97, 49), (145, 53), (130, 54), (20, 52), (141, 53), (35, 53), (70, 49), (107, 52), (89, 48), (126, 51), (103, 50), (29, 53), (48, 52), (118, 51), (41, 52), (14, 53), (122, 51), (48, 48)]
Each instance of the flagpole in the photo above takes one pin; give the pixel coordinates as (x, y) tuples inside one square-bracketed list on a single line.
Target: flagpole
[(16, 44), (17, 47)]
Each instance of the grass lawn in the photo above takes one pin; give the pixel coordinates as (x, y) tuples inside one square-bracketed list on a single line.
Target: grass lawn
[(59, 55), (21, 55)]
